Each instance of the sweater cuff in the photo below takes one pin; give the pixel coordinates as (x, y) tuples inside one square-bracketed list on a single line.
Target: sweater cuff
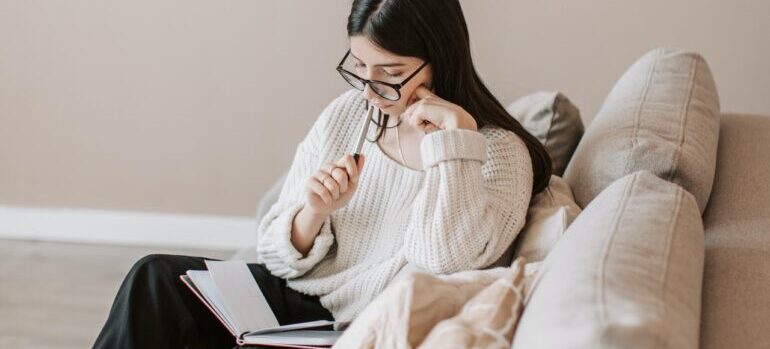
[(453, 144), (285, 250)]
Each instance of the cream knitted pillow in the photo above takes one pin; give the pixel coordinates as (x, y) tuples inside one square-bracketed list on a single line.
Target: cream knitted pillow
[(550, 213)]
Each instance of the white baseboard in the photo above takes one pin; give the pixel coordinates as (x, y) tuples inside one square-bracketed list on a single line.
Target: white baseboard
[(126, 228)]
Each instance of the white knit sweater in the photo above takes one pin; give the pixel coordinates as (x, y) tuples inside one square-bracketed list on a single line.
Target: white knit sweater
[(460, 212)]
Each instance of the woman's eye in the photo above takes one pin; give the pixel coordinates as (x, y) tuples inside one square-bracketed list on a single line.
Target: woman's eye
[(360, 66)]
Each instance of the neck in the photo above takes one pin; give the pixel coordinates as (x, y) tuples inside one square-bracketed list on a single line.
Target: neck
[(392, 119)]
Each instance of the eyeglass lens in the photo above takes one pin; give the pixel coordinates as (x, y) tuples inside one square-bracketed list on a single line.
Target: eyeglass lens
[(384, 91)]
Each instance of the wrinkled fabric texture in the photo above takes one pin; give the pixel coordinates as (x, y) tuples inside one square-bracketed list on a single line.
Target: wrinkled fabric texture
[(488, 320), (407, 311)]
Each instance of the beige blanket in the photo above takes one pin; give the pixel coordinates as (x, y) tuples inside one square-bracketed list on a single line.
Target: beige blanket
[(477, 308)]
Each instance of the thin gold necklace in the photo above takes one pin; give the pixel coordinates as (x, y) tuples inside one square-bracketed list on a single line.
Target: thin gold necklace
[(400, 152)]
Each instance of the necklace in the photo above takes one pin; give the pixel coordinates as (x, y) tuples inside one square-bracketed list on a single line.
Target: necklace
[(400, 152), (379, 114), (384, 126)]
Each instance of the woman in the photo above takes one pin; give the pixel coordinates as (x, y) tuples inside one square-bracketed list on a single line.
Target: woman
[(448, 178)]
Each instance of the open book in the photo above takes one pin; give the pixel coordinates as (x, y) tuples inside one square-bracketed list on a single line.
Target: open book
[(229, 290)]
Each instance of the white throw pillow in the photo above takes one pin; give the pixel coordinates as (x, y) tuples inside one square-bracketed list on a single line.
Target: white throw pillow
[(550, 213)]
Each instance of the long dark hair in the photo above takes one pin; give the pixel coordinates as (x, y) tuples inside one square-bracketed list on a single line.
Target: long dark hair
[(435, 31)]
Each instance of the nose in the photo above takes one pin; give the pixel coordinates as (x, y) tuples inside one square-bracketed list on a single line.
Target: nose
[(369, 93), (373, 97)]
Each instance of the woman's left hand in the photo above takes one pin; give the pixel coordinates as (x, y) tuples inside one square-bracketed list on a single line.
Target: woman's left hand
[(431, 112)]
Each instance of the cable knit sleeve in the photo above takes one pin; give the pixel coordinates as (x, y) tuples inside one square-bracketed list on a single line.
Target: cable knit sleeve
[(474, 201), (274, 247)]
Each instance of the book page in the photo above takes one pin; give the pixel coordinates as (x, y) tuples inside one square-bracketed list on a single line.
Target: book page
[(245, 304), (292, 327), (298, 338), (201, 280)]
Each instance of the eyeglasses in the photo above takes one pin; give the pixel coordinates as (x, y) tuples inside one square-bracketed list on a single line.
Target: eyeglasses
[(391, 92)]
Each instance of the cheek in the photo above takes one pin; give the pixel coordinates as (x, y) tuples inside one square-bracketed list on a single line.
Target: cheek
[(410, 99)]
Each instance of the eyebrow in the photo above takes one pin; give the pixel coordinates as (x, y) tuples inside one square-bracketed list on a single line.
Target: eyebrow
[(380, 65)]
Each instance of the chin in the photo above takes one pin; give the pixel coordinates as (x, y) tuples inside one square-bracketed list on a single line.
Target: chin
[(393, 110)]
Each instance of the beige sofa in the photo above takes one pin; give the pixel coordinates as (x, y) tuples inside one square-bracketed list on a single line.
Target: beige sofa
[(736, 280), (703, 198)]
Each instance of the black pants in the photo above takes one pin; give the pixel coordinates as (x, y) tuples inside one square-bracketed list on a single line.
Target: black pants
[(154, 309)]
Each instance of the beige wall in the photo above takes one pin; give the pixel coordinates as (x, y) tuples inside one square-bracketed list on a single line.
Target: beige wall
[(197, 106)]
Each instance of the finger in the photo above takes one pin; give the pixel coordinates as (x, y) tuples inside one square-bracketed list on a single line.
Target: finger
[(408, 114), (326, 180), (321, 175), (421, 118), (412, 107), (412, 99), (415, 100), (359, 167), (418, 117), (327, 168), (423, 92), (333, 187), (430, 128), (421, 111), (319, 189), (426, 96), (349, 164), (341, 176), (361, 161)]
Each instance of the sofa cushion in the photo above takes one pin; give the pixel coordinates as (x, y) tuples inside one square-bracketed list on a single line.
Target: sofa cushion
[(661, 116), (550, 213), (554, 120), (736, 279), (627, 272)]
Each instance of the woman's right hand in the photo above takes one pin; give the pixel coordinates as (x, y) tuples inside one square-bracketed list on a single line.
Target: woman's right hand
[(329, 188)]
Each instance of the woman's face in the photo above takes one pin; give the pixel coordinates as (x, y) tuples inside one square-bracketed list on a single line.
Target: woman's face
[(374, 63)]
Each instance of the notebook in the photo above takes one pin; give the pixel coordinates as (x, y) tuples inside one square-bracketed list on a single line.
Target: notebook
[(230, 292)]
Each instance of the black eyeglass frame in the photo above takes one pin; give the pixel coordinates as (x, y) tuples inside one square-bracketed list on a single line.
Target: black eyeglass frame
[(396, 87)]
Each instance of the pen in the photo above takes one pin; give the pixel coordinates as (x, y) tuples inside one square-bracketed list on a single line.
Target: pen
[(362, 135)]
